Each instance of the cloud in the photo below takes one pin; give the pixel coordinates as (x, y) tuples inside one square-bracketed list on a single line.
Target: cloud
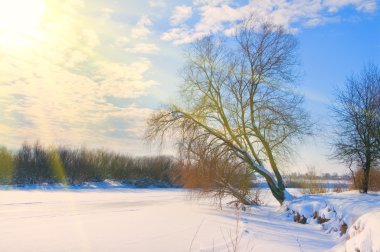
[(360, 5), (157, 3), (180, 35), (213, 17), (55, 87), (143, 48), (122, 80), (223, 15), (122, 41), (181, 14), (141, 29), (211, 2), (107, 12)]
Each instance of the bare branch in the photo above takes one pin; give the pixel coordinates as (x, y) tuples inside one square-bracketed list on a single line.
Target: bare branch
[(238, 106)]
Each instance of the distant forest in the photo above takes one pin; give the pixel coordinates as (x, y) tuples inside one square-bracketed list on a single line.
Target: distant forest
[(35, 164)]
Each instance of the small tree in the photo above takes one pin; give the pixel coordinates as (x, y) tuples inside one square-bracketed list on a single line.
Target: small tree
[(357, 114), (210, 172), (237, 100)]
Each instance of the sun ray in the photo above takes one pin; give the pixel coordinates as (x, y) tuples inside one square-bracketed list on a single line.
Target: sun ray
[(58, 169)]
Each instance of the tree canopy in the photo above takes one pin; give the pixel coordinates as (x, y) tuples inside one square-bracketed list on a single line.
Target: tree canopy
[(239, 101)]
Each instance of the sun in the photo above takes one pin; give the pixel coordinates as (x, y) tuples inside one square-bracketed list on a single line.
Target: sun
[(19, 18)]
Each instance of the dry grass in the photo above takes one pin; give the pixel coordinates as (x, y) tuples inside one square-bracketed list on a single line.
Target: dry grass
[(312, 187), (374, 180), (311, 184), (235, 236), (338, 188)]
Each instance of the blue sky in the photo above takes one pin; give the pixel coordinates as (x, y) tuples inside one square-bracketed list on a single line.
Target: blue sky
[(89, 72)]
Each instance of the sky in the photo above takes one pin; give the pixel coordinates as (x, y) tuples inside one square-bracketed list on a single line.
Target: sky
[(87, 73)]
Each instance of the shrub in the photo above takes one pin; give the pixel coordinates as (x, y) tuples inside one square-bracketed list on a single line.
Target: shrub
[(7, 164), (32, 165), (216, 176), (311, 185)]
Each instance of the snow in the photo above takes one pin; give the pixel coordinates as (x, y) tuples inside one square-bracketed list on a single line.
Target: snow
[(111, 217), (363, 235), (360, 212), (339, 207)]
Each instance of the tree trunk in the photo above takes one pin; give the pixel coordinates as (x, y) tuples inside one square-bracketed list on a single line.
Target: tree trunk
[(365, 183), (279, 194), (277, 191)]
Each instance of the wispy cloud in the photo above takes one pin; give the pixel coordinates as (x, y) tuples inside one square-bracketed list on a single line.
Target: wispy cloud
[(107, 12), (123, 80), (158, 3), (141, 29), (181, 14), (55, 88), (222, 15), (360, 5), (143, 48)]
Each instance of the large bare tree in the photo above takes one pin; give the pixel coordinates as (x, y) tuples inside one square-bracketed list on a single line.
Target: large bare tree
[(357, 117), (238, 99)]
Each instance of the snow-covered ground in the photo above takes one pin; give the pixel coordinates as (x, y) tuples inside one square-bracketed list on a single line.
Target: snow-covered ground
[(114, 218), (349, 216), (364, 234)]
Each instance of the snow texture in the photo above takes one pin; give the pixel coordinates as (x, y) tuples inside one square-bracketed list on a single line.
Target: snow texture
[(364, 234), (110, 217), (350, 217)]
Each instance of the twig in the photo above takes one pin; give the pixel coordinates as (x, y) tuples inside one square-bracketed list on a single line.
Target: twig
[(195, 235)]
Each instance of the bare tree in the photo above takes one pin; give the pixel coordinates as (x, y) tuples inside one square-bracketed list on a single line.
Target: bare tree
[(357, 116), (238, 100), (212, 172)]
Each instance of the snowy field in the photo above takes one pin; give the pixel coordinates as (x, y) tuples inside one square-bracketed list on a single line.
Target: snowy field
[(122, 219)]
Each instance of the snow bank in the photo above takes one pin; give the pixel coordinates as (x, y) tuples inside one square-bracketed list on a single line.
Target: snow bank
[(347, 216), (311, 210), (364, 235)]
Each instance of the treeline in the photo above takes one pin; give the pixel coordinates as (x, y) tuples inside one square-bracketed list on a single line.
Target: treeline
[(315, 175), (35, 164)]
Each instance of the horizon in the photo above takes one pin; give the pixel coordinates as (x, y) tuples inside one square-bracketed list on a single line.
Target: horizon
[(89, 73)]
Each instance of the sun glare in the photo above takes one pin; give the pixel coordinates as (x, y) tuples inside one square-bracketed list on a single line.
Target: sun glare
[(19, 18)]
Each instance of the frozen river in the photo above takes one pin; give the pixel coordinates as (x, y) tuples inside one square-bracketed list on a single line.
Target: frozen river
[(143, 220)]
